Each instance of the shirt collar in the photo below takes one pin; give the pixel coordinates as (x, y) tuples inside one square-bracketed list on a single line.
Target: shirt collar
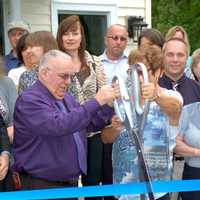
[(44, 90), (104, 57), (11, 56), (171, 82)]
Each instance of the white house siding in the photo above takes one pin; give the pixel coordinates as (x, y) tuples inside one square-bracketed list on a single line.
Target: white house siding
[(128, 8), (37, 13)]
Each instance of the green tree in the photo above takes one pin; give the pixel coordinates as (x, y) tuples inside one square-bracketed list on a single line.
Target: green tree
[(186, 13)]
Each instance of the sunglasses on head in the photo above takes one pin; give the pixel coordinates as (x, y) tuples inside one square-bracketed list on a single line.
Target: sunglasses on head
[(116, 38)]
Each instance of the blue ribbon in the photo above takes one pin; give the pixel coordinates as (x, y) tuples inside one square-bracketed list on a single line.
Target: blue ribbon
[(105, 190)]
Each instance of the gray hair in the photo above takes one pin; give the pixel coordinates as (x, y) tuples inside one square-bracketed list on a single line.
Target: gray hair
[(115, 25), (52, 54)]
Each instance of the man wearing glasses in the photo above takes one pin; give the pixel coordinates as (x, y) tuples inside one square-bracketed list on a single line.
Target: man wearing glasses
[(114, 62), (50, 127), (114, 59)]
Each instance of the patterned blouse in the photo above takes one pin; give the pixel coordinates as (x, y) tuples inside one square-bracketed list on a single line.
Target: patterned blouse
[(8, 96), (92, 83), (27, 79)]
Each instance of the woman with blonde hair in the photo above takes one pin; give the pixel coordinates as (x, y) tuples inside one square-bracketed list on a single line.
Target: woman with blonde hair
[(196, 64), (178, 32)]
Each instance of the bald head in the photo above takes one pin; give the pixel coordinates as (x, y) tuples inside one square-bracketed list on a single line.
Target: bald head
[(174, 41), (47, 60), (175, 53), (116, 26), (55, 71)]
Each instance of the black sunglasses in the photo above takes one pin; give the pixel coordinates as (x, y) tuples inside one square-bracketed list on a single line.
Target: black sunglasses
[(116, 38)]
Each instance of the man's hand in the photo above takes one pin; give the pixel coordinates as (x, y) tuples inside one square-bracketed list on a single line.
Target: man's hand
[(106, 95), (109, 134), (4, 164), (116, 122)]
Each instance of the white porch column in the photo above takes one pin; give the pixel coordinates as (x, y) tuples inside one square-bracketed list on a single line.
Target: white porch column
[(15, 10), (147, 6), (11, 12)]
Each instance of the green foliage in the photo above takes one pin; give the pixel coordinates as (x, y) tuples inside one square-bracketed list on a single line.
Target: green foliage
[(186, 13)]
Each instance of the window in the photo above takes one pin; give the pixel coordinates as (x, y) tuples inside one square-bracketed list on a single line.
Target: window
[(96, 17), (95, 28)]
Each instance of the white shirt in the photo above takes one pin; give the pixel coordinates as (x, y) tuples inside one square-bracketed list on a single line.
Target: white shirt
[(114, 67), (15, 74)]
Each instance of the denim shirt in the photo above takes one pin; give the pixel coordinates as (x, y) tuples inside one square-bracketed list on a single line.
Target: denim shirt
[(189, 128)]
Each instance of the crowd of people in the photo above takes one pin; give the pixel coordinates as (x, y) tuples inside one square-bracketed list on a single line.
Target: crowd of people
[(58, 122)]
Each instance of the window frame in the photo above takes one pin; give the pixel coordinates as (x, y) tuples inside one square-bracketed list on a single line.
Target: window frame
[(62, 7)]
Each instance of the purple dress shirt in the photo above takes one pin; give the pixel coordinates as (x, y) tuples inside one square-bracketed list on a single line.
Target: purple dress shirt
[(44, 145), (78, 140)]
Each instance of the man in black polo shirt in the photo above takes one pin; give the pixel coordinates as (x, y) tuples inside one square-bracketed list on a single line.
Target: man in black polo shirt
[(175, 55)]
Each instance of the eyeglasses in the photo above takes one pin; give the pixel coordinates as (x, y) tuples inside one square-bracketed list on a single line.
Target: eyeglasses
[(65, 77), (116, 38)]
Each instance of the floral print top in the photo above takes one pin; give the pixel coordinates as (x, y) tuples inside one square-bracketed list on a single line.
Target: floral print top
[(27, 79)]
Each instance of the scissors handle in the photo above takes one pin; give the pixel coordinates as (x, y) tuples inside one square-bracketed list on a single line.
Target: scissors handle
[(135, 85)]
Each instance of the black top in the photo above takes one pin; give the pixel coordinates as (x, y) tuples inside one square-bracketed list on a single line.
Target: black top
[(188, 88), (4, 140)]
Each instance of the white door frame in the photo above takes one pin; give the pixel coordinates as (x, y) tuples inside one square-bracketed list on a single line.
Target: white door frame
[(73, 7)]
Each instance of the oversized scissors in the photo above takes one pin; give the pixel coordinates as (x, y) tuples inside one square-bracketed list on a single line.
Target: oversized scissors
[(128, 108)]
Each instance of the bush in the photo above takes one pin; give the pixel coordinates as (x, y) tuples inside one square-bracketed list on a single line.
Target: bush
[(186, 13)]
